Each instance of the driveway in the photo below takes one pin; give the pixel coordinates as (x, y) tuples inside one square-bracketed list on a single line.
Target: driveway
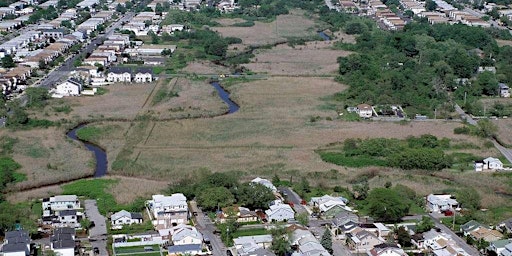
[(98, 233)]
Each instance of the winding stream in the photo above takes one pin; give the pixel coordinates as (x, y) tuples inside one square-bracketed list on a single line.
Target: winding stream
[(101, 156)]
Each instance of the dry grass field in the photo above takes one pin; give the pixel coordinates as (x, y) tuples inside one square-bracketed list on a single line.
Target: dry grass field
[(47, 156), (504, 42), (284, 26), (205, 67), (314, 58)]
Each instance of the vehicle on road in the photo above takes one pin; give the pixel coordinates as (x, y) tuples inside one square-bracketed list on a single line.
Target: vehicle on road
[(96, 250)]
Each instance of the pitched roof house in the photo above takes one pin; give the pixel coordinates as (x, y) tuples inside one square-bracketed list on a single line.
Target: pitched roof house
[(280, 212), (119, 75), (123, 217)]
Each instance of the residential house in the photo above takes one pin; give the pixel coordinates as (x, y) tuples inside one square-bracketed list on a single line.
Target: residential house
[(68, 218), (62, 242), (186, 249), (252, 249), (149, 50), (70, 87), (486, 234), (121, 218), (441, 244), (265, 183), (172, 27), (330, 206), (344, 223), (143, 75), (441, 203), (507, 251), (168, 211), (364, 110), (280, 212), (305, 243), (119, 74), (16, 243), (490, 163), (505, 226), (504, 90), (469, 227), (53, 33), (262, 241), (498, 246), (243, 215), (185, 235), (59, 203), (360, 240), (386, 250)]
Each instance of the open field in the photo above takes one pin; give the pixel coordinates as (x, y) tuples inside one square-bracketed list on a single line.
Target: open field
[(128, 189), (314, 58), (504, 42), (47, 157), (285, 26)]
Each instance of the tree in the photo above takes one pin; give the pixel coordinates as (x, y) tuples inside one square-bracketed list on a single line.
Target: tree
[(276, 180), (66, 24), (302, 218), (37, 96), (216, 197), (17, 118), (386, 205), (424, 225), (486, 128), (254, 196), (361, 190), (280, 242), (403, 237), (430, 5), (217, 47), (120, 8), (326, 241), (8, 62), (468, 198), (355, 27), (159, 9), (488, 83)]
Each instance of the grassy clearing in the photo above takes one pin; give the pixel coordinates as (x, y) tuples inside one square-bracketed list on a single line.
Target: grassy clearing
[(97, 189), (250, 232), (136, 249)]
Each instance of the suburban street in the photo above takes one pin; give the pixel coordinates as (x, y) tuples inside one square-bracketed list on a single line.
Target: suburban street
[(60, 73), (291, 196), (98, 233), (460, 242), (206, 227)]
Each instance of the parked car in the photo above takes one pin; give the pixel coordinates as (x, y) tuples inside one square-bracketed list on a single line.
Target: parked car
[(96, 250)]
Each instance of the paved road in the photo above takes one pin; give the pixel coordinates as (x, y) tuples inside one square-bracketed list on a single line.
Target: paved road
[(98, 233), (464, 116), (291, 196), (60, 73), (460, 242), (206, 227)]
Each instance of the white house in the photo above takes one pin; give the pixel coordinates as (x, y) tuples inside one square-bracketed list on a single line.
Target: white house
[(119, 74), (59, 203), (143, 75), (168, 211), (441, 203), (63, 247), (264, 241), (489, 163), (504, 90), (280, 212), (70, 87), (68, 218), (185, 234), (307, 244), (123, 217), (364, 110), (265, 183), (507, 251)]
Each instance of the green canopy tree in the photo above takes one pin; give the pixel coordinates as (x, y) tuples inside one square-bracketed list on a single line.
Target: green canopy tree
[(326, 241), (8, 62), (280, 241), (254, 196), (386, 205), (215, 197)]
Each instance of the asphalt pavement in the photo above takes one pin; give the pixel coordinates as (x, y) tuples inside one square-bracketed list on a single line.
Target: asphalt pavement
[(460, 242), (206, 227), (291, 196), (98, 233)]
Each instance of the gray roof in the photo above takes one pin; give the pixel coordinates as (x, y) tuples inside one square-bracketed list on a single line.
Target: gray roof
[(63, 244), (67, 213), (184, 248), (17, 247), (53, 30), (136, 215), (144, 70), (60, 237), (120, 70), (64, 230)]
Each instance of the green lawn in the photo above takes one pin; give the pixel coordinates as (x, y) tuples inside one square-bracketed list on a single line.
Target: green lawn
[(138, 249), (251, 232)]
